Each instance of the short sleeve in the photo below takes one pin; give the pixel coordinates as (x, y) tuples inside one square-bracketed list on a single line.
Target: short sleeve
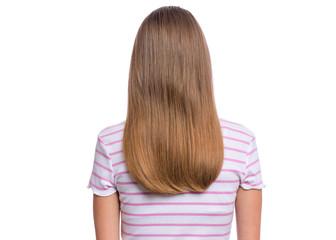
[(253, 177), (102, 176)]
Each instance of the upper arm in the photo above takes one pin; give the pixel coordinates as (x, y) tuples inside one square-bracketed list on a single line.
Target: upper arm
[(106, 211), (249, 196), (248, 213), (106, 215)]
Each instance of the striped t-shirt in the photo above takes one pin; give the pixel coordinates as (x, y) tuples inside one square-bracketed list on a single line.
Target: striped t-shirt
[(190, 215)]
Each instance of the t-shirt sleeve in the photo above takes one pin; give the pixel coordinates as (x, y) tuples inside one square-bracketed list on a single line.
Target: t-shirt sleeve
[(253, 177), (102, 175)]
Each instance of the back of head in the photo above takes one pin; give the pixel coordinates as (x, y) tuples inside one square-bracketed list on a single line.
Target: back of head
[(172, 140)]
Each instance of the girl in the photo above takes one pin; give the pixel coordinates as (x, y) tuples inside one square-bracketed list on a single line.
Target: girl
[(173, 169)]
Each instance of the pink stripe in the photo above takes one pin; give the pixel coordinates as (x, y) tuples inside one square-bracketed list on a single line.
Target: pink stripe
[(211, 192), (111, 143), (95, 186), (101, 141), (234, 149), (234, 160), (223, 120), (207, 192), (108, 134), (216, 181), (226, 181), (257, 184), (235, 139), (249, 153), (136, 193), (122, 123), (176, 214), (124, 183), (232, 170), (252, 175), (100, 177), (114, 153), (176, 203), (102, 166), (252, 163), (102, 154), (115, 164), (176, 224), (119, 173), (175, 235), (235, 130)]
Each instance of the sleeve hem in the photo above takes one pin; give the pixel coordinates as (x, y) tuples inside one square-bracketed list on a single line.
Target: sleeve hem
[(103, 192), (249, 186)]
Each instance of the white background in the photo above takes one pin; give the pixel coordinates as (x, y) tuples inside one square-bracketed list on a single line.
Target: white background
[(64, 73)]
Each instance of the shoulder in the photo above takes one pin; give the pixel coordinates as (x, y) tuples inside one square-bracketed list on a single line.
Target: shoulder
[(112, 132), (236, 129)]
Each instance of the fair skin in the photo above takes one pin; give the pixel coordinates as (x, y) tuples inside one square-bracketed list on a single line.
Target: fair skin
[(248, 215), (106, 214)]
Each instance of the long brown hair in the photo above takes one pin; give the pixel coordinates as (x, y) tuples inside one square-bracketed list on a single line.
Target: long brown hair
[(172, 140)]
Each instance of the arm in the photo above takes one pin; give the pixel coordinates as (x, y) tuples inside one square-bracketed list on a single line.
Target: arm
[(106, 214), (248, 213)]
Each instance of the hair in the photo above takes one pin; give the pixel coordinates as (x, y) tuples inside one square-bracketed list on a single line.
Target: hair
[(172, 140)]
